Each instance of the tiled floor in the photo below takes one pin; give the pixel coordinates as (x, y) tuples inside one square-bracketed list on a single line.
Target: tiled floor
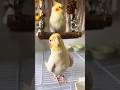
[(15, 74), (105, 73), (115, 71), (8, 75)]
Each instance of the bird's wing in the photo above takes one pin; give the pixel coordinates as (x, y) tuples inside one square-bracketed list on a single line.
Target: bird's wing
[(52, 29), (50, 66)]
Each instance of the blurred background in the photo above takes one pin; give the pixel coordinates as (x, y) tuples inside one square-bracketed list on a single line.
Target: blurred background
[(102, 44), (101, 38), (17, 46)]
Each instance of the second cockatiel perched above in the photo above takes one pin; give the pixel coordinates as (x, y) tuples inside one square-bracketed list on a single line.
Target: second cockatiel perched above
[(57, 18), (59, 59)]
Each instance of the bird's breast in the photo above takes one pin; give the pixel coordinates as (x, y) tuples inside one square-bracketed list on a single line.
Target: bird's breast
[(60, 56), (57, 21)]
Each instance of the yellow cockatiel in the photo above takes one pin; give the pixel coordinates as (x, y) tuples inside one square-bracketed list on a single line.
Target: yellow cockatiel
[(57, 18), (59, 59)]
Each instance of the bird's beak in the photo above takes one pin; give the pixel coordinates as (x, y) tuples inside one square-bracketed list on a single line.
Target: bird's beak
[(57, 9), (56, 41)]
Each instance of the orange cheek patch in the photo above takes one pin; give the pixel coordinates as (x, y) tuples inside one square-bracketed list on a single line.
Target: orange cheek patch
[(57, 9)]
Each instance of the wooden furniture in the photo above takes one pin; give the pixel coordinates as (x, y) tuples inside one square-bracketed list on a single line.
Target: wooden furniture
[(21, 23)]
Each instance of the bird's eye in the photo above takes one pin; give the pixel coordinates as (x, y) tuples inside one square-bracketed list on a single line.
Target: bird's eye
[(37, 14), (50, 40), (59, 7)]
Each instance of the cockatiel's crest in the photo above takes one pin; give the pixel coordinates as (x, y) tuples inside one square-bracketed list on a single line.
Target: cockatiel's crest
[(57, 7)]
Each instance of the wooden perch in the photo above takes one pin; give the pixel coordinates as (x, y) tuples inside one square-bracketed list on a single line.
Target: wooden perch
[(98, 22), (21, 23), (66, 35)]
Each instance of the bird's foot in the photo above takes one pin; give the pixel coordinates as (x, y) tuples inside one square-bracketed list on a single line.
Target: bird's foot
[(60, 79)]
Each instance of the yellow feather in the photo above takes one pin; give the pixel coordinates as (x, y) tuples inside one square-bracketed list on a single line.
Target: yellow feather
[(53, 44)]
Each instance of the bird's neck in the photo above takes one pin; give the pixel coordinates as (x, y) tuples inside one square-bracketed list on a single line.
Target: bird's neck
[(54, 13), (58, 49)]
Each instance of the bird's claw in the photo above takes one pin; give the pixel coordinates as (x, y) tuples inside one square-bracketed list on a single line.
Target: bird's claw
[(60, 79)]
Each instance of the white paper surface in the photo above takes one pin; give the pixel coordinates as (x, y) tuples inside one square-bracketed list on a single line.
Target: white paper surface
[(44, 80)]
